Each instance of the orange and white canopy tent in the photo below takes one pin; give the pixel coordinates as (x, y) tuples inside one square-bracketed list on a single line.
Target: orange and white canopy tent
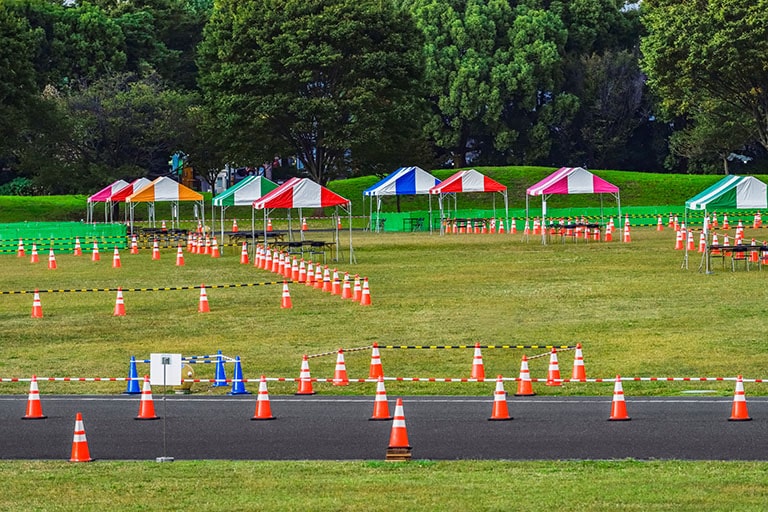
[(165, 189)]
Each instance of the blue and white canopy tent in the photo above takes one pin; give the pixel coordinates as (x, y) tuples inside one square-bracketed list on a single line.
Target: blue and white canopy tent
[(404, 181), (730, 193), (243, 193)]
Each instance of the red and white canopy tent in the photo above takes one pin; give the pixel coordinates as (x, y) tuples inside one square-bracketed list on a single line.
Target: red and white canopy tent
[(104, 196), (301, 193), (570, 180), (165, 189), (469, 181)]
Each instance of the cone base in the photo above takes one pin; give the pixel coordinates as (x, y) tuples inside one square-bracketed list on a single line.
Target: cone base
[(740, 419), (524, 394), (619, 419), (398, 454), (388, 418), (80, 460), (305, 393), (243, 392), (255, 418), (142, 418), (43, 417), (499, 419)]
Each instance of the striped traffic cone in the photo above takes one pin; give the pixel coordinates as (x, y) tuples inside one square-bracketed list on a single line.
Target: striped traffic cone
[(37, 306), (135, 245), (215, 253), (618, 405), (318, 277), (302, 276), (346, 289), (553, 374), (524, 384), (739, 409), (365, 297), (235, 229), (500, 410), (398, 449), (20, 251), (95, 253), (380, 404), (34, 408), (146, 404), (579, 373), (116, 259), (305, 379), (52, 260), (155, 250), (294, 269), (336, 284), (34, 257), (310, 280), (263, 409), (80, 452), (340, 373), (357, 289), (327, 284), (286, 302), (478, 370), (78, 251), (376, 370), (202, 305), (179, 256), (119, 304)]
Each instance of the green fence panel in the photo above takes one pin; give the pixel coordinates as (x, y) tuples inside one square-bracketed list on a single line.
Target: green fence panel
[(60, 235)]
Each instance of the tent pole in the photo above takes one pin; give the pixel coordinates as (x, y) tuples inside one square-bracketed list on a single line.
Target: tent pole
[(352, 258)]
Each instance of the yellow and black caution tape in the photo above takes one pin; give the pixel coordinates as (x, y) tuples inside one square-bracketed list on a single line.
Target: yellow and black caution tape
[(157, 289)]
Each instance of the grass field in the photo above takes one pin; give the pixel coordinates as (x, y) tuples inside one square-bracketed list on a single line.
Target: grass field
[(632, 306)]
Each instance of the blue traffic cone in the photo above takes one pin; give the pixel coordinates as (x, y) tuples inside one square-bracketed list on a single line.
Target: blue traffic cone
[(238, 386), (221, 377), (133, 379)]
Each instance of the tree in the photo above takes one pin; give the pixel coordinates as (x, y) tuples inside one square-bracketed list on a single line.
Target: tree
[(319, 80), (713, 55)]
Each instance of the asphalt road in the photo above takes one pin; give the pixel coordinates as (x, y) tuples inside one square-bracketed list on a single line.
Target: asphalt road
[(337, 428)]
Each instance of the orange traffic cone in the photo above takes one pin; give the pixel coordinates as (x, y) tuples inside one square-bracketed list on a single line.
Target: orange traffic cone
[(286, 303), (244, 254), (739, 408), (305, 379), (119, 304), (310, 279), (37, 307), (478, 370), (318, 277), (659, 225), (357, 289), (553, 375), (679, 241), (267, 261), (78, 251), (202, 306), (52, 260), (500, 410), (327, 284), (269, 224), (380, 404), (215, 253), (627, 237), (20, 250), (618, 406), (579, 373), (179, 256), (365, 297), (135, 244), (95, 254), (302, 275), (155, 250), (235, 229), (346, 289), (376, 370), (116, 259), (146, 404), (34, 258), (304, 226), (80, 452), (263, 409), (336, 284), (34, 408), (294, 275), (207, 246), (163, 227), (398, 448), (340, 374), (524, 384)]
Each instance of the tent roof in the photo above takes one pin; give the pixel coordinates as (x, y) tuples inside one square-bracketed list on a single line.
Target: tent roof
[(300, 193), (468, 181), (134, 186), (405, 180), (164, 189), (737, 192), (105, 194), (245, 192), (571, 180)]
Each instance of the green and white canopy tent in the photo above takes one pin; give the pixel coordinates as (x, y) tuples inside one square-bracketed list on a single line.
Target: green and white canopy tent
[(728, 194), (244, 193)]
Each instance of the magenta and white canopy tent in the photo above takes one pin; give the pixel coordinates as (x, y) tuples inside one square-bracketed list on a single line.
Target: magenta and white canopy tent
[(570, 180), (104, 196), (469, 181), (302, 193)]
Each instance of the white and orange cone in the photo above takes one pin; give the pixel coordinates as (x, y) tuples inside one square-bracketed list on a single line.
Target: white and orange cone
[(579, 372), (52, 260), (116, 259), (500, 410), (235, 229), (78, 251), (119, 304), (318, 277), (553, 374), (357, 289), (340, 373), (305, 379), (244, 254), (95, 253), (80, 452), (302, 276), (37, 307), (376, 370), (478, 369), (263, 408), (739, 408), (618, 405), (34, 408), (365, 297), (346, 288), (310, 280), (155, 250), (286, 301), (398, 449), (327, 284), (34, 257), (179, 256), (147, 403), (20, 251), (380, 403), (135, 244), (215, 253), (202, 305), (336, 284), (524, 384)]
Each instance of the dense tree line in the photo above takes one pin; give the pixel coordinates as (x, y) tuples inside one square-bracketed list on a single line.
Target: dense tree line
[(95, 91)]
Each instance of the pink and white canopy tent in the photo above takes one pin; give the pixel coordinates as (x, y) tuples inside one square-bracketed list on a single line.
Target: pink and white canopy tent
[(301, 193), (469, 181), (570, 180), (104, 196)]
